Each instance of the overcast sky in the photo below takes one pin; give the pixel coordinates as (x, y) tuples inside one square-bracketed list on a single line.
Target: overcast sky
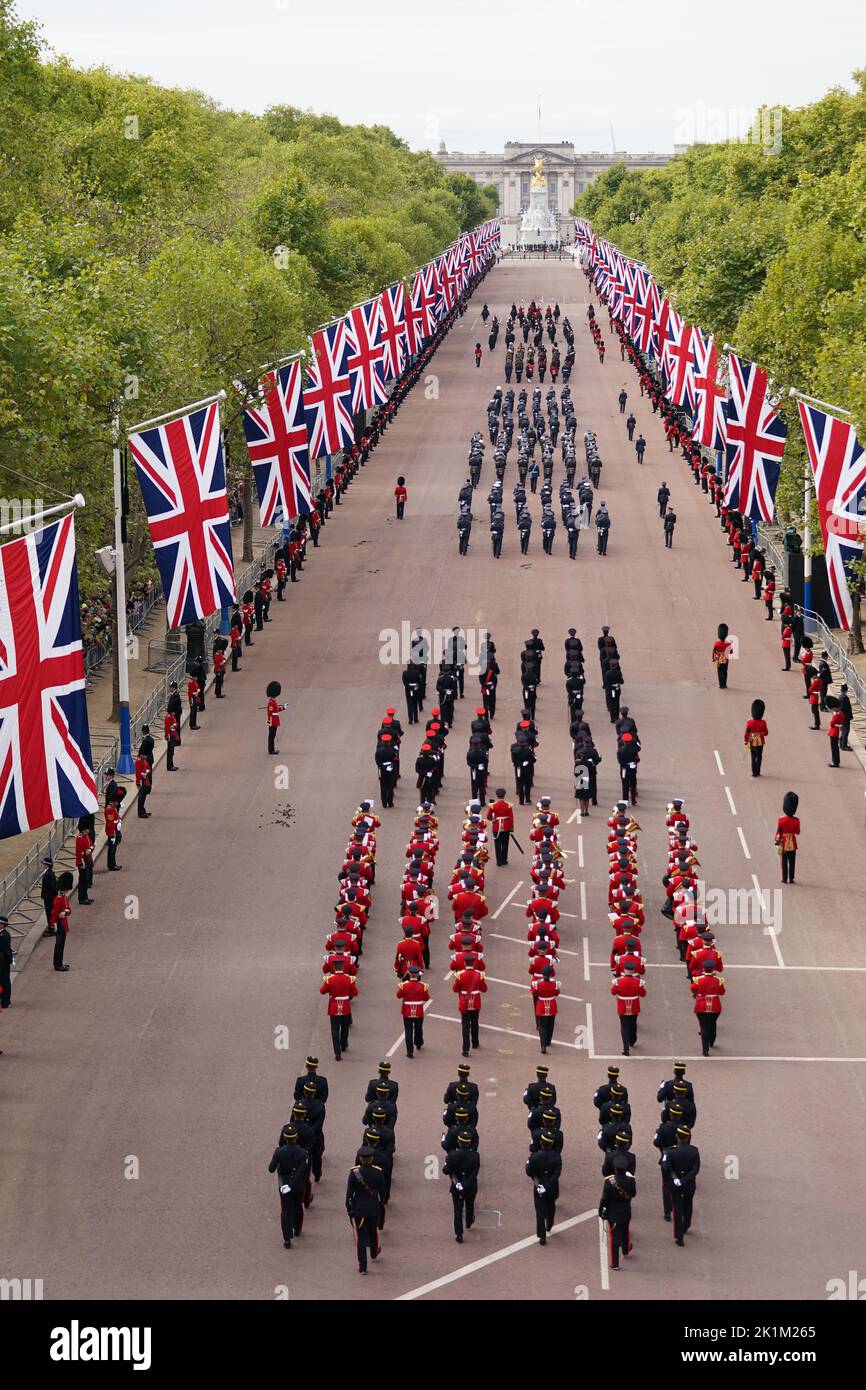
[(470, 72)]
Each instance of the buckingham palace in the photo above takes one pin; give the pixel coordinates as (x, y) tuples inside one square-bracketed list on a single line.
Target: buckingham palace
[(567, 173)]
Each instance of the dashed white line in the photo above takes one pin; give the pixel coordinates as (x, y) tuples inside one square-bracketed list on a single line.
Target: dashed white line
[(770, 930), (730, 801), (718, 762), (512, 1032), (582, 901), (521, 942), (743, 842), (589, 1033), (580, 851), (586, 958)]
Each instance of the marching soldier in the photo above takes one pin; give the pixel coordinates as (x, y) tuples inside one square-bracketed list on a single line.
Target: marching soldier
[(413, 994), (602, 1095), (385, 758), (290, 1162), (544, 991), (500, 813), (311, 1078), (544, 1167), (462, 1080), (707, 988), (365, 1195), (341, 989), (461, 1166), (666, 1088), (615, 1208), (681, 1166), (469, 985), (541, 1091), (383, 1086), (666, 1138), (628, 991), (755, 736)]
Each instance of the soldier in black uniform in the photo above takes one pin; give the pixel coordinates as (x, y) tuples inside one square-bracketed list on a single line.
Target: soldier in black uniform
[(174, 706), (541, 1091), (524, 527), (6, 958), (48, 892), (311, 1077), (522, 758), (380, 1110), (462, 1104), (684, 1103), (412, 686), (365, 1192), (621, 1148), (386, 762), (380, 1137), (611, 1132), (602, 1095), (450, 1138), (462, 1080), (290, 1162), (666, 1138), (461, 1166), (477, 760), (616, 1104), (666, 1088), (682, 1165), (383, 1080), (615, 1208), (544, 1167)]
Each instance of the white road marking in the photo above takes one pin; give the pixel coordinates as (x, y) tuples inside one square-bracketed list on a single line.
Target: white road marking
[(586, 958), (718, 762), (771, 931), (730, 801), (580, 851), (521, 907), (497, 1255), (493, 980), (582, 901), (402, 1037), (507, 900), (512, 1032), (743, 842), (696, 1057), (575, 816), (602, 1256), (670, 965), (589, 1033), (520, 942)]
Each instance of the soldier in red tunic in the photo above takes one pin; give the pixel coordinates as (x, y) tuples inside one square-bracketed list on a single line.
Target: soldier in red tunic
[(274, 709)]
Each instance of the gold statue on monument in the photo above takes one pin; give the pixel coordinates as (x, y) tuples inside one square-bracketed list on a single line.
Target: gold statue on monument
[(538, 173)]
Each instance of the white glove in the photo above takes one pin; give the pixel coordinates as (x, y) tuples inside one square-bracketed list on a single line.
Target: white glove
[(677, 1182)]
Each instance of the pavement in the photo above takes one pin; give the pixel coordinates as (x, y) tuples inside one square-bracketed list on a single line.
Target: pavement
[(155, 1076)]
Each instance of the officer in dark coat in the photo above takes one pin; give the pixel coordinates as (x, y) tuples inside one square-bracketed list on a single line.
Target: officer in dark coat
[(48, 892), (615, 1208), (290, 1162), (365, 1195), (681, 1166), (544, 1168), (6, 958), (461, 1166)]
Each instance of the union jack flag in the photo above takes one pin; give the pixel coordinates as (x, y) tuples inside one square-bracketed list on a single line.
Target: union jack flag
[(328, 392), (839, 465), (447, 278), (183, 482), (473, 253), (708, 418), (366, 355), (46, 768), (679, 362), (756, 436), (661, 328), (276, 433), (393, 330), (424, 295), (643, 313)]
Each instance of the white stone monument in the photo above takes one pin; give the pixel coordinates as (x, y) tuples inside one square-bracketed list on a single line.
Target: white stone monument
[(538, 224)]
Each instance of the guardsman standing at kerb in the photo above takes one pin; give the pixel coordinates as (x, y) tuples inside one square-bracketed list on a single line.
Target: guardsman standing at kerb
[(722, 652), (274, 709)]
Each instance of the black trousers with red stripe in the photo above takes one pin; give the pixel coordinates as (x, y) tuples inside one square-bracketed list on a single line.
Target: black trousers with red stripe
[(618, 1239), (366, 1238)]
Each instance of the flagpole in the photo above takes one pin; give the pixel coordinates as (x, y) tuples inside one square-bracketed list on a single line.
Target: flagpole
[(181, 410), (125, 765), (36, 517), (281, 361), (807, 498)]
